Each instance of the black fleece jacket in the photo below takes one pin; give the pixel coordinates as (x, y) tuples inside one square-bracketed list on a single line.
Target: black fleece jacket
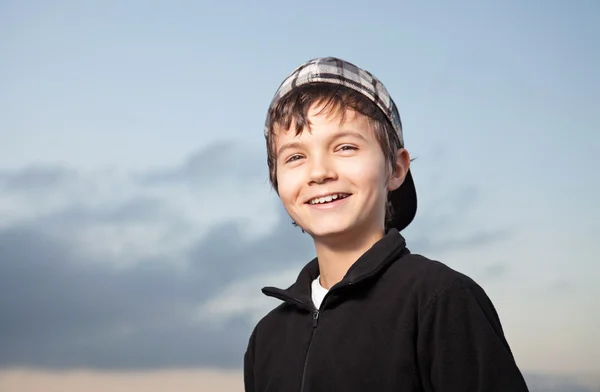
[(396, 322)]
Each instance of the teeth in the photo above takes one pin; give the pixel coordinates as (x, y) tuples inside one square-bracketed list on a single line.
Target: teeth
[(328, 198)]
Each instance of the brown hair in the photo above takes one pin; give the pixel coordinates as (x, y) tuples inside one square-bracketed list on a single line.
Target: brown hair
[(334, 99)]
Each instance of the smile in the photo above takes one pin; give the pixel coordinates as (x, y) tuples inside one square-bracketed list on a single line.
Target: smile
[(328, 198)]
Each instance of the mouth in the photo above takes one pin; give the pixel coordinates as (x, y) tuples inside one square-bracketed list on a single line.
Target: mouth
[(328, 198)]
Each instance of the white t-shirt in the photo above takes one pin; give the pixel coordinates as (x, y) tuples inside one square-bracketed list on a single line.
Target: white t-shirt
[(317, 292)]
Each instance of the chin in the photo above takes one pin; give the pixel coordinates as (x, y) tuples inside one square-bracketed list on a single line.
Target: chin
[(328, 229)]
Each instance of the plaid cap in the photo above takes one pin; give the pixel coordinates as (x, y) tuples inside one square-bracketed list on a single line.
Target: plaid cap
[(336, 71), (339, 72)]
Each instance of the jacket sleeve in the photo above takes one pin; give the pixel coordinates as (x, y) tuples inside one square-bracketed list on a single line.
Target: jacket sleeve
[(249, 385), (461, 345)]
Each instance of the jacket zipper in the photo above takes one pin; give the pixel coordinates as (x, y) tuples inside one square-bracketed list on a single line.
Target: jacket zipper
[(315, 322)]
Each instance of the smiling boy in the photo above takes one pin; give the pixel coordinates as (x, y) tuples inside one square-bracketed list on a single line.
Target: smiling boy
[(366, 314)]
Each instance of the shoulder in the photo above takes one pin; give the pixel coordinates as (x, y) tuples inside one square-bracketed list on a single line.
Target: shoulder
[(263, 328), (426, 273), (272, 321), (448, 300), (427, 279)]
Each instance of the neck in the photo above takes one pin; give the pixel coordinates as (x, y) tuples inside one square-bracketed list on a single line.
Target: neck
[(337, 255)]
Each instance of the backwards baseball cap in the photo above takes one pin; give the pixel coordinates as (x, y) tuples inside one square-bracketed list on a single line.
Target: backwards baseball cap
[(339, 72)]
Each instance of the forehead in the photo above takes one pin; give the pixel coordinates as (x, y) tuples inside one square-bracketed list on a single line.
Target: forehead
[(322, 121)]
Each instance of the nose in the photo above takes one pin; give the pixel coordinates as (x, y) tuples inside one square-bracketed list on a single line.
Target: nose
[(321, 170)]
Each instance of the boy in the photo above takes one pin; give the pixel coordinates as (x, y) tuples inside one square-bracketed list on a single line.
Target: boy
[(366, 314)]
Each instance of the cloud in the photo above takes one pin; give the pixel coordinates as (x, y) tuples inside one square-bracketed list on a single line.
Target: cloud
[(124, 217), (63, 312), (37, 178), (159, 269), (448, 242), (495, 270), (72, 300), (216, 162), (67, 309)]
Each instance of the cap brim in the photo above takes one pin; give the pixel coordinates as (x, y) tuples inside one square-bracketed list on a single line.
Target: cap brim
[(404, 203)]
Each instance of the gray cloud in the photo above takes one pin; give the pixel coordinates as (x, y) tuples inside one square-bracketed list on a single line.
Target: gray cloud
[(62, 312), (431, 244), (37, 178), (434, 228), (219, 160), (227, 257), (137, 209), (495, 270)]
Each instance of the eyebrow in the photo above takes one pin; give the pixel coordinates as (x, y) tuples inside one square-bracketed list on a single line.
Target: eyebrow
[(341, 134), (288, 146), (349, 133)]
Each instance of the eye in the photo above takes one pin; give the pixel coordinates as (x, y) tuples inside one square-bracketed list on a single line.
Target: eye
[(293, 158), (347, 147)]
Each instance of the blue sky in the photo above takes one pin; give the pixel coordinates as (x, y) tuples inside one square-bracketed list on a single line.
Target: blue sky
[(131, 140)]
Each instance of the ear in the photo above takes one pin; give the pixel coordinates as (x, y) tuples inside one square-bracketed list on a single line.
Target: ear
[(399, 170)]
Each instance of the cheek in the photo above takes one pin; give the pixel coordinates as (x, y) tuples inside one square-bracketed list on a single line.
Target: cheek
[(288, 186), (368, 173)]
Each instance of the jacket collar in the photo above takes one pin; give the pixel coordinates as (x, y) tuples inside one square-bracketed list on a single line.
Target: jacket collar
[(369, 265)]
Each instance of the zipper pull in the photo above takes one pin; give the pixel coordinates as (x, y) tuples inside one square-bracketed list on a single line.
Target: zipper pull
[(315, 318)]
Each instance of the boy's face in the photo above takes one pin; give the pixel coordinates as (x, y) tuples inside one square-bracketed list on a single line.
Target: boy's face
[(333, 179)]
